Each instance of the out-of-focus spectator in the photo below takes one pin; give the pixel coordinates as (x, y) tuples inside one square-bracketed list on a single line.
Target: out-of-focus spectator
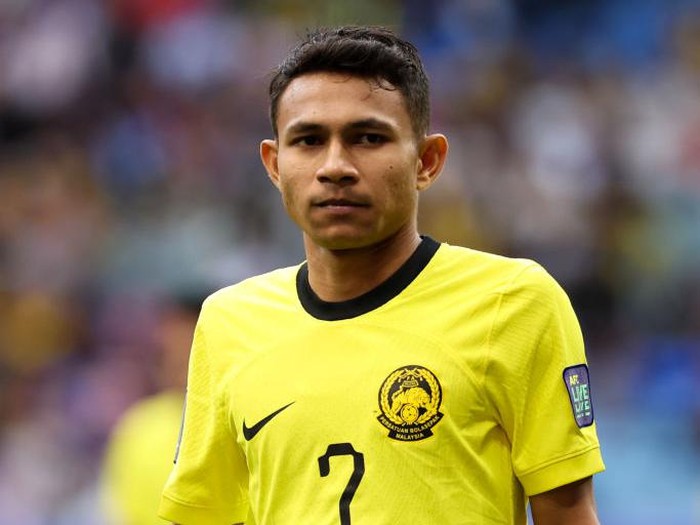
[(50, 52), (141, 448), (55, 217)]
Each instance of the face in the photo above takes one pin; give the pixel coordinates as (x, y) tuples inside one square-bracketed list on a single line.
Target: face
[(347, 162)]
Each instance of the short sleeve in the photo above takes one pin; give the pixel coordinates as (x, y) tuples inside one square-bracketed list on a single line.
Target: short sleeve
[(534, 340), (208, 482)]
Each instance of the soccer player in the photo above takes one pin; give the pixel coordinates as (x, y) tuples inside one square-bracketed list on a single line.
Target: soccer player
[(138, 456), (389, 378)]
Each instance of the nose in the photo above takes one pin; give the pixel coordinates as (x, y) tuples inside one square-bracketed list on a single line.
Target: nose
[(337, 166)]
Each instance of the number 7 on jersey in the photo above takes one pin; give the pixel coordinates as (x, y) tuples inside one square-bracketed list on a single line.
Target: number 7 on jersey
[(344, 449)]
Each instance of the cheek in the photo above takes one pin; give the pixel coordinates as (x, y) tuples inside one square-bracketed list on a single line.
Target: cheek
[(400, 185), (287, 191), (291, 198)]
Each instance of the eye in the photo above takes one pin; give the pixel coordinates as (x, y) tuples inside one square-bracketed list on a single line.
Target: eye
[(306, 140), (371, 138)]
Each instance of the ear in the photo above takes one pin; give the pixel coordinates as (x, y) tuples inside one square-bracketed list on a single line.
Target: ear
[(268, 155), (431, 159)]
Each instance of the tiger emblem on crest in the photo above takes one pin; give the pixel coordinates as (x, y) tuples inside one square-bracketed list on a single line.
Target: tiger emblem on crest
[(409, 401)]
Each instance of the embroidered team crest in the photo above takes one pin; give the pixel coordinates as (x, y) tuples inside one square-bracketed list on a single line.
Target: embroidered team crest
[(579, 387), (409, 400)]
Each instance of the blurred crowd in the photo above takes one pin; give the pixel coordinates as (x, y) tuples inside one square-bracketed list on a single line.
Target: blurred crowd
[(130, 185)]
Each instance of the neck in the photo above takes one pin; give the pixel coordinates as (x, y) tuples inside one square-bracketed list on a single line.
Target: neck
[(340, 275)]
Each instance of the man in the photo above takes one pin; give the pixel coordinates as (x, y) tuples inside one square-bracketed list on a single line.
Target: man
[(138, 455), (389, 378)]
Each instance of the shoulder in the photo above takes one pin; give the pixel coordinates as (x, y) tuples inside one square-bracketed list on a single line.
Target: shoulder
[(152, 410), (151, 420), (499, 273), (277, 285), (507, 284)]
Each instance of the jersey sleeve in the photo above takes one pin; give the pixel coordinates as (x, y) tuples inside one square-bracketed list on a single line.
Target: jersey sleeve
[(208, 482), (535, 346)]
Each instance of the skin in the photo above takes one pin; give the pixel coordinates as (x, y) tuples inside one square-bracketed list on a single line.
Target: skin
[(349, 168), (572, 504)]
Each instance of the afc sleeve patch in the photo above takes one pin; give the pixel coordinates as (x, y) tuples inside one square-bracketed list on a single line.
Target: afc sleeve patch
[(578, 385)]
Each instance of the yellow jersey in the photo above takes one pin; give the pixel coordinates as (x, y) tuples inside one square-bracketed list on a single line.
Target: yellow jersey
[(138, 459), (446, 395)]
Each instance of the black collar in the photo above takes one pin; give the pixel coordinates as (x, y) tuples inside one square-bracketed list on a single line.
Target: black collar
[(393, 286)]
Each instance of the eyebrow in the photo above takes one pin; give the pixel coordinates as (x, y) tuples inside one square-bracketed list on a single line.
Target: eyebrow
[(371, 123), (313, 127)]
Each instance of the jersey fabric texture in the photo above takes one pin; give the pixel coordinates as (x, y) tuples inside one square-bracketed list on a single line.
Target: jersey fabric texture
[(437, 398)]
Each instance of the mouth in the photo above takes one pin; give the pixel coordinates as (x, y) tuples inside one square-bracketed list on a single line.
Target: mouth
[(341, 203)]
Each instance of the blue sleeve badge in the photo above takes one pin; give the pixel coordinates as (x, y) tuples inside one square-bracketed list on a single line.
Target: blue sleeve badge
[(579, 387)]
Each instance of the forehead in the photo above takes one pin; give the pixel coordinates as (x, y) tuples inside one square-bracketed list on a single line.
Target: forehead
[(337, 98)]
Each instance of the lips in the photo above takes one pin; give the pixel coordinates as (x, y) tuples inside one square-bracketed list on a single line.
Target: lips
[(341, 203)]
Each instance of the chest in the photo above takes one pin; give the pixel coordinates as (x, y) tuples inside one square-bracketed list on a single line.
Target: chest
[(368, 382)]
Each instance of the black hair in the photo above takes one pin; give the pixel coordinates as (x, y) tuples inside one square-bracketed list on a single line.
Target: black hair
[(371, 52)]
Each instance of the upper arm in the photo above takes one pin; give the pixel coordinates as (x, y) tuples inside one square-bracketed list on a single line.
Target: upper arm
[(535, 338), (571, 504), (209, 478)]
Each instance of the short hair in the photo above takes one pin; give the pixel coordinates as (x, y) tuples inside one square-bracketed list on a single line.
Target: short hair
[(371, 52)]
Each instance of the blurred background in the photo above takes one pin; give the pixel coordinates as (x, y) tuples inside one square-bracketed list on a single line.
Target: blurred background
[(130, 187)]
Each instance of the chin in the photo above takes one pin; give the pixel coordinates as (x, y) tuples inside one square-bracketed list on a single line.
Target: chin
[(343, 242), (343, 245)]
